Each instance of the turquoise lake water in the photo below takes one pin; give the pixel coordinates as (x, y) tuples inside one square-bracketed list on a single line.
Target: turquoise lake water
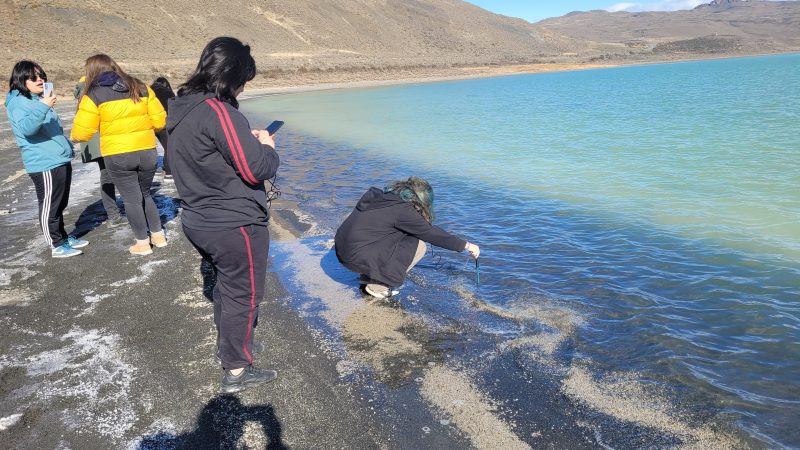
[(660, 203)]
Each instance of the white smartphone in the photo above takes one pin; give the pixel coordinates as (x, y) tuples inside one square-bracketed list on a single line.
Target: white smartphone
[(48, 88)]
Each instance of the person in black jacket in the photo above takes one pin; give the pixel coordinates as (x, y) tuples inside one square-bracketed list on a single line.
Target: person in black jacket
[(385, 235), (163, 91), (219, 165)]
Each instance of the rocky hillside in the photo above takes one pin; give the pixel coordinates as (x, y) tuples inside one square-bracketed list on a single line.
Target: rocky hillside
[(297, 35), (721, 27), (307, 39)]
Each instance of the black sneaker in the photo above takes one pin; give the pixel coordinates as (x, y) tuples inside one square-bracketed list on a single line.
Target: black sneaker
[(250, 377), (257, 347)]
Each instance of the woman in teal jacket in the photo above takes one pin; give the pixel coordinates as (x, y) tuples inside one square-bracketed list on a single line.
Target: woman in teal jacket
[(46, 152)]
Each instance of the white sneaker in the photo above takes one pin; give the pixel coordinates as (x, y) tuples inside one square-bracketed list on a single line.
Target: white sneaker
[(378, 290)]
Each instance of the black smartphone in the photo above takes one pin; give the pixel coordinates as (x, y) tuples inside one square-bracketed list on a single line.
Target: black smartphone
[(274, 127)]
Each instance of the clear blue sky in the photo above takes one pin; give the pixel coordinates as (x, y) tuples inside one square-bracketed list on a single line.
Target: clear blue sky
[(536, 10)]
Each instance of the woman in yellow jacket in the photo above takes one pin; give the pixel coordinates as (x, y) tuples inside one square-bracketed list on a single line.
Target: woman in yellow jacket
[(126, 113)]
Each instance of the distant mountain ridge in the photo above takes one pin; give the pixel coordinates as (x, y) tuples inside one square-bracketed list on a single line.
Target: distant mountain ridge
[(721, 27), (314, 37), (721, 4)]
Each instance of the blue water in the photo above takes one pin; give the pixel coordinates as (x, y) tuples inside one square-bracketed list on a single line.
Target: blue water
[(661, 202)]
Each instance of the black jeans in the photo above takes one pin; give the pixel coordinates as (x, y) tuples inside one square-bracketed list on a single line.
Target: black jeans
[(52, 191), (108, 194), (132, 174), (239, 259)]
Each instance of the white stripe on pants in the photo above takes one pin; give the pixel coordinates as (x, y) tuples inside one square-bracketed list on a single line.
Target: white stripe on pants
[(52, 193), (45, 216)]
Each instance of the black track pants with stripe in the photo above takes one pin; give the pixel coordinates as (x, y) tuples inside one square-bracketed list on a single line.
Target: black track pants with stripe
[(52, 190), (239, 258)]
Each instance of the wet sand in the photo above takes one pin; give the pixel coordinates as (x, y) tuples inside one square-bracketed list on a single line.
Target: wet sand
[(110, 351)]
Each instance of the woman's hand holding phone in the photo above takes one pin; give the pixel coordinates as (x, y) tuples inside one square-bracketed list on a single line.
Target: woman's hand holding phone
[(264, 137), (50, 99)]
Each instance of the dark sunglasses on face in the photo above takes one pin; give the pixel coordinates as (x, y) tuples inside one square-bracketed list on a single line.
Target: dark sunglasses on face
[(37, 76)]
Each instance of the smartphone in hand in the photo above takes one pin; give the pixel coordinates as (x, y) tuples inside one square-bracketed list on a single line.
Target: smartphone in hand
[(274, 127), (48, 89)]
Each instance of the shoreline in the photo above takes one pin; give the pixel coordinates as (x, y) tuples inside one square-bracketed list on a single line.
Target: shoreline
[(466, 73), (476, 73)]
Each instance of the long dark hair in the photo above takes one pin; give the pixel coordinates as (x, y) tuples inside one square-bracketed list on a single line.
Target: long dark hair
[(162, 84), (225, 66), (100, 63), (417, 191), (23, 71)]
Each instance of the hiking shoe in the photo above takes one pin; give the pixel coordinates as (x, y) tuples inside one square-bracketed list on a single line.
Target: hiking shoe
[(141, 248), (113, 222), (378, 290), (64, 251), (250, 377), (257, 347), (76, 243), (158, 239)]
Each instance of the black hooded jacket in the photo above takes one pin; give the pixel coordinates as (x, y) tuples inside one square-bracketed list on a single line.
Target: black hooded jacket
[(218, 165), (380, 237)]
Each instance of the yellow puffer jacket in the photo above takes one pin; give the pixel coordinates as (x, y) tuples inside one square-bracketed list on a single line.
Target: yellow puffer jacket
[(125, 126)]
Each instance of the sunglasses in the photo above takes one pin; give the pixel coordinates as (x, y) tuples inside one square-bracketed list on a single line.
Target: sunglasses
[(37, 76)]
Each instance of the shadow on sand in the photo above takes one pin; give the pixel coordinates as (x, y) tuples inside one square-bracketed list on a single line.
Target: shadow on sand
[(221, 425), (94, 215), (330, 264)]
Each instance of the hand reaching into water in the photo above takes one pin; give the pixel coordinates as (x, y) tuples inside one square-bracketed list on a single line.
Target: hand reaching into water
[(473, 249), (50, 100), (264, 137)]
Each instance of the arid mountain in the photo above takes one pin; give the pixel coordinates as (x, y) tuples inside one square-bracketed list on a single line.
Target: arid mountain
[(720, 27), (304, 39), (298, 34)]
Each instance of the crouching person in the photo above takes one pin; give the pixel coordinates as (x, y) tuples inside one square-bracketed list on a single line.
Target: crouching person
[(385, 235)]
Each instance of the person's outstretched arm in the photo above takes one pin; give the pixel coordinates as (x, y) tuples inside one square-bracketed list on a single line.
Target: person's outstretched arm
[(253, 158), (410, 221)]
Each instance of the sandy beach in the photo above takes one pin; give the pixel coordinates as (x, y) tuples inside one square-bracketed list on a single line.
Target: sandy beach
[(346, 80)]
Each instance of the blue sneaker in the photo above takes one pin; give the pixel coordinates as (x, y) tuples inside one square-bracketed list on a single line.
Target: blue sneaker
[(76, 243), (64, 251)]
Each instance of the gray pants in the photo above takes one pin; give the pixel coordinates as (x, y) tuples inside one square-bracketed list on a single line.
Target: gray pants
[(132, 174), (108, 194)]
